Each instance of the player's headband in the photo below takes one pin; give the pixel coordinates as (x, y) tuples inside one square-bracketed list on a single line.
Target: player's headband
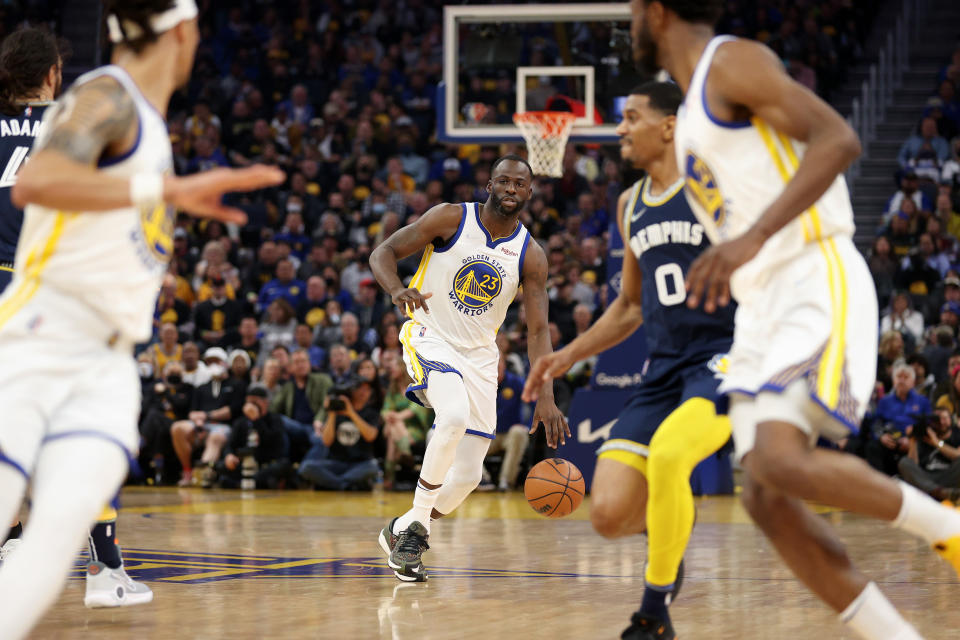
[(182, 11)]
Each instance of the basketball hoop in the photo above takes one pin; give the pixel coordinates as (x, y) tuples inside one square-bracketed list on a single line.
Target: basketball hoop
[(546, 134)]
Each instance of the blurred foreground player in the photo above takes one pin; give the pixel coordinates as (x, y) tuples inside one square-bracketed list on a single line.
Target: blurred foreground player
[(642, 479), (96, 239), (30, 79), (476, 255), (763, 159)]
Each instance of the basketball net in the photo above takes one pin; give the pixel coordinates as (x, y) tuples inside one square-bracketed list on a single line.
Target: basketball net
[(546, 134)]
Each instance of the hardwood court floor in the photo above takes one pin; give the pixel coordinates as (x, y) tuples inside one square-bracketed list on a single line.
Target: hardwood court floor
[(307, 565)]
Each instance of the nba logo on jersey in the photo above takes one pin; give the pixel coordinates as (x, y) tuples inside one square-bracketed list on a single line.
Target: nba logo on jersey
[(702, 185), (477, 284), (423, 331)]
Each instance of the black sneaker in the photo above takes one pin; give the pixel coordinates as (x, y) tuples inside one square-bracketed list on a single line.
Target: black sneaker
[(388, 539), (405, 557), (644, 627)]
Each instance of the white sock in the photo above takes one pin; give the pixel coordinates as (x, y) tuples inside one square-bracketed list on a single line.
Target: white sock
[(926, 518), (872, 617), (423, 502)]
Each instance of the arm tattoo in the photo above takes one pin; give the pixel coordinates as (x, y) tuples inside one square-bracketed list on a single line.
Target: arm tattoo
[(90, 118)]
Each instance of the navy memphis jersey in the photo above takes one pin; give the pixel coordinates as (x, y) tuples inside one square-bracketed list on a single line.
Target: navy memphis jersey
[(16, 139), (666, 238)]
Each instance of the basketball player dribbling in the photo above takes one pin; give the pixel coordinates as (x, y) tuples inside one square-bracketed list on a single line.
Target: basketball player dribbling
[(762, 158), (96, 239), (30, 78), (475, 258), (642, 479)]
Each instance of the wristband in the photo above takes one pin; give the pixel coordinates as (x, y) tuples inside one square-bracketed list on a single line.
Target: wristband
[(940, 445), (146, 190)]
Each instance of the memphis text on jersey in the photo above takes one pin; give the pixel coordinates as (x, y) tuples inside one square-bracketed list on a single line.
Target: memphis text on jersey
[(666, 232), (477, 284)]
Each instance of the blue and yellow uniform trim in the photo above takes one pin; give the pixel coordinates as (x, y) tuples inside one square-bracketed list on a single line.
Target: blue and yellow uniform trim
[(825, 370)]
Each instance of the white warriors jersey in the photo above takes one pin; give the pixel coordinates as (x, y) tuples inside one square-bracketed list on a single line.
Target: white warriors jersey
[(473, 279), (113, 261), (734, 170)]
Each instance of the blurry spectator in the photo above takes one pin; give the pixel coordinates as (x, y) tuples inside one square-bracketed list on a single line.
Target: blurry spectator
[(217, 318), (356, 272), (239, 364), (351, 338), (202, 120), (591, 259), (909, 190), (897, 413), (368, 306), (262, 270), (512, 434), (950, 173), (925, 382), (272, 377), (950, 316), (214, 406), (561, 310), (169, 399), (928, 138), (213, 263), (293, 231), (938, 352), (170, 308), (405, 424), (917, 276), (299, 402), (351, 425), (888, 353), (303, 340), (259, 433), (388, 339), (195, 372), (311, 310), (593, 220), (414, 165), (339, 363), (883, 267), (285, 286), (278, 329), (932, 463), (249, 338), (899, 235), (313, 266), (932, 256), (281, 353), (206, 156), (298, 106), (167, 349), (947, 215)]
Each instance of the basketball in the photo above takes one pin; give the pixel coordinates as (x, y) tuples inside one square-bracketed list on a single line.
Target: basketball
[(554, 488)]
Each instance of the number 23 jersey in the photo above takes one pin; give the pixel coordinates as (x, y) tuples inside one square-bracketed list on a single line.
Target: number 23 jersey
[(473, 278), (665, 237)]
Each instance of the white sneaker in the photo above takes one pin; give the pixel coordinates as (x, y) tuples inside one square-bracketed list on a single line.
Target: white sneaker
[(9, 547), (108, 587)]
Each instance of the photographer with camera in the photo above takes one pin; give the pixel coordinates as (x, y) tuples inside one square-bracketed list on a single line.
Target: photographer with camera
[(257, 449), (932, 463), (896, 413), (343, 459), (167, 400)]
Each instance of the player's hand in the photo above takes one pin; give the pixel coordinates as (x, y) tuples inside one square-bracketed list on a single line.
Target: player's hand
[(544, 370), (888, 441), (231, 461), (200, 194), (411, 298), (555, 425), (709, 276)]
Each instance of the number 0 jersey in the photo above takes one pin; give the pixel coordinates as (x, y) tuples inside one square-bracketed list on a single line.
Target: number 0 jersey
[(16, 139), (666, 238), (113, 261), (473, 279)]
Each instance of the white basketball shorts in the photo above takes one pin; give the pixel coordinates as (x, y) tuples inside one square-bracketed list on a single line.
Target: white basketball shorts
[(814, 322), (424, 353), (65, 374)]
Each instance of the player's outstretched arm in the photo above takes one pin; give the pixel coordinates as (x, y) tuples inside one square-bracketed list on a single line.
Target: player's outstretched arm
[(617, 323), (99, 117), (441, 222), (536, 304), (748, 75)]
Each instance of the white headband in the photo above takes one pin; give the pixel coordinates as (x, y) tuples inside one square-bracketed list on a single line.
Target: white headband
[(182, 11)]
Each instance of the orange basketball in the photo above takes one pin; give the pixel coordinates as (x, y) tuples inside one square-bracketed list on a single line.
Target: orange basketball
[(554, 488)]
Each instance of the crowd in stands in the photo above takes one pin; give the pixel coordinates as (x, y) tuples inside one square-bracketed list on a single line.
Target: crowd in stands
[(276, 360), (915, 261)]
